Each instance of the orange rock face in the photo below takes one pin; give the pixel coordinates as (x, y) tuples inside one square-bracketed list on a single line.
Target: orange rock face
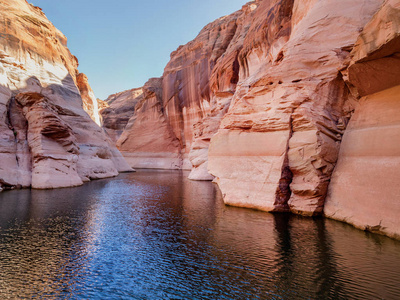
[(261, 100), (195, 92), (90, 103), (365, 189), (46, 139), (282, 133), (118, 109), (148, 140)]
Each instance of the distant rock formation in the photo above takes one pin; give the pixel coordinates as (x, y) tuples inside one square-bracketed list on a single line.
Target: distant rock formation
[(46, 139), (262, 99), (117, 110), (148, 140), (90, 102)]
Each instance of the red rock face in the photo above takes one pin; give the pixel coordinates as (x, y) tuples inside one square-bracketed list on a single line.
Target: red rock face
[(148, 140), (364, 189), (118, 109), (46, 139), (261, 100)]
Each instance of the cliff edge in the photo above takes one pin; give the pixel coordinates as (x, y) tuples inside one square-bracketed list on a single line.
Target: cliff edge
[(47, 140), (289, 105)]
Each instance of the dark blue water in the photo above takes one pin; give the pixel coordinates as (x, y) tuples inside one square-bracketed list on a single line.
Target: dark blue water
[(157, 235)]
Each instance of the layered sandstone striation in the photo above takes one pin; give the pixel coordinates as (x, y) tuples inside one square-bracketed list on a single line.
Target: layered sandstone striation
[(118, 109), (285, 103), (194, 93), (47, 140), (365, 189), (148, 140), (278, 144)]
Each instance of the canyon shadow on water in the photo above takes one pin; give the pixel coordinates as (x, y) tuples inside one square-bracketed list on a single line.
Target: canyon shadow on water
[(157, 235)]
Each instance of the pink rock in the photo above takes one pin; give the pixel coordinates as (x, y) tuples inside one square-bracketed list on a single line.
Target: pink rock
[(364, 189), (290, 87), (261, 99), (148, 140), (46, 139)]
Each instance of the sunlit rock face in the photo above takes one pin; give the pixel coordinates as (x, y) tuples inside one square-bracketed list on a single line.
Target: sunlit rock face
[(288, 104), (46, 139), (195, 92), (198, 85), (148, 140), (278, 144), (365, 189), (89, 100)]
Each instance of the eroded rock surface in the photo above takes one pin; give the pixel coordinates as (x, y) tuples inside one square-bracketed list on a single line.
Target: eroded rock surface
[(118, 109), (365, 189), (291, 105), (261, 99), (196, 89), (148, 140), (90, 102), (46, 139)]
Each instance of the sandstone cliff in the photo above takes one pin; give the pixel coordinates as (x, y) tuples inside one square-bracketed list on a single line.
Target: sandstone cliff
[(195, 92), (278, 144), (148, 140), (365, 189), (118, 109), (90, 102), (262, 99), (47, 140)]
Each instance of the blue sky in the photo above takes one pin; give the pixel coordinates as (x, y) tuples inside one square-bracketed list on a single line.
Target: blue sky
[(122, 43)]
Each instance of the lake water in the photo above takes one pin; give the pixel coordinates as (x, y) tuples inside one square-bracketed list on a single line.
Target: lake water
[(157, 235)]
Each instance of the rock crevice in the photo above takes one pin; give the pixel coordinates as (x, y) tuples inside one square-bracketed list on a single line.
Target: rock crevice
[(47, 140), (282, 104)]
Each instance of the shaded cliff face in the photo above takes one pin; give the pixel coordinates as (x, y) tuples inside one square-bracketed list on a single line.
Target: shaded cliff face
[(118, 109), (46, 139), (364, 189), (148, 140)]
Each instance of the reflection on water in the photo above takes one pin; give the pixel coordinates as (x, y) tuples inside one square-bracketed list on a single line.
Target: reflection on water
[(157, 235)]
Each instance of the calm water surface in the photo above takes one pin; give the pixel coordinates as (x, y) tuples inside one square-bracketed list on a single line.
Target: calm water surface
[(157, 235)]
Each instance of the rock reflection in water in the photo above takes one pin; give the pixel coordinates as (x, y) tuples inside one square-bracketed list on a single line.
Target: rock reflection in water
[(155, 234)]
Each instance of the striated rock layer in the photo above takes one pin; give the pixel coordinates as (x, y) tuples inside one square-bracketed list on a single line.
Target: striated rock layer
[(262, 99), (148, 141), (47, 140), (365, 189), (196, 89), (118, 109), (278, 144)]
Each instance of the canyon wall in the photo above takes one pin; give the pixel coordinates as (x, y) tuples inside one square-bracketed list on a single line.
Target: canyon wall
[(47, 140), (148, 140), (118, 109), (365, 189), (289, 105), (172, 129), (278, 144)]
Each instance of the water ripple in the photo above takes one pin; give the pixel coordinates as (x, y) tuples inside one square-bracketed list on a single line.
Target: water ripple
[(157, 235)]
